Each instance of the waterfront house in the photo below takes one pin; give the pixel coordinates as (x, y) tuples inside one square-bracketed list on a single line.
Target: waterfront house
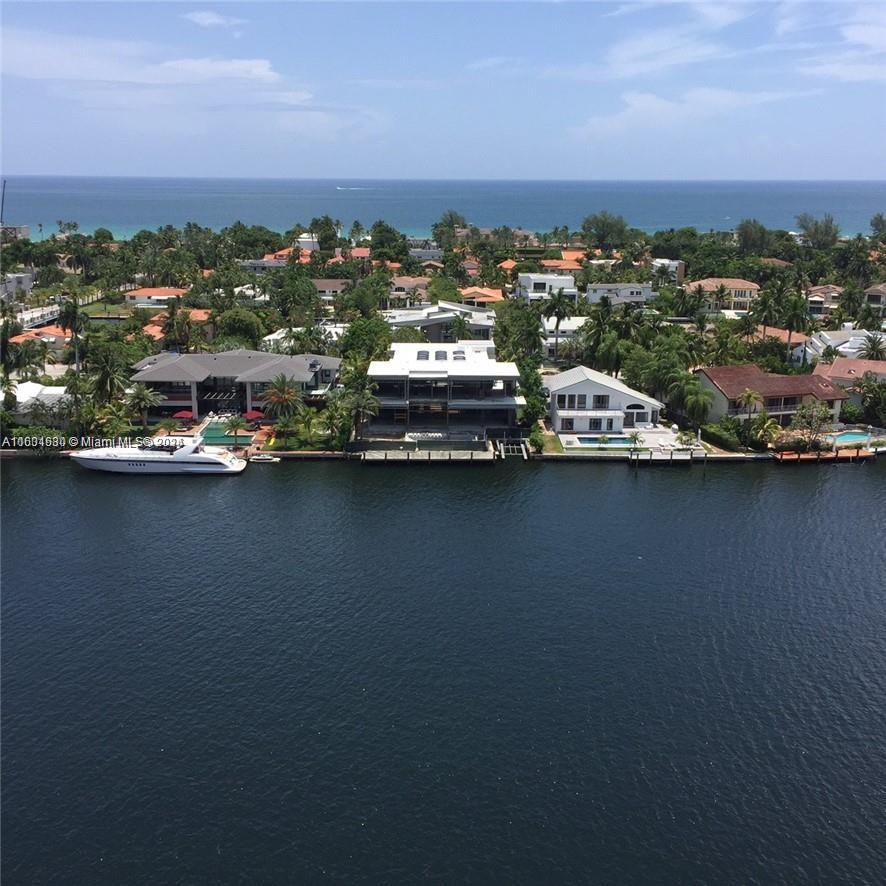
[(620, 293), (436, 321), (845, 372), (782, 394), (726, 293), (230, 380), (540, 287), (584, 399), (39, 404), (445, 386), (153, 296)]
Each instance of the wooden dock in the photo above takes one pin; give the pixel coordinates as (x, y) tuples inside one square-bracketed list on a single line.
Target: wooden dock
[(431, 456), (845, 456)]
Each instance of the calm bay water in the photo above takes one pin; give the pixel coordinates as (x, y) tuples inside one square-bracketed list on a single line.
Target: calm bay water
[(126, 205), (521, 674)]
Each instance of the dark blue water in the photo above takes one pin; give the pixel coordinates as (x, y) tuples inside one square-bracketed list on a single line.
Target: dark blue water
[(126, 205), (516, 674)]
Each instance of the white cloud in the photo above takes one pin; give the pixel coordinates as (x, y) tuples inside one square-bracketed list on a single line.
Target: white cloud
[(208, 19), (862, 55), (645, 111), (202, 70)]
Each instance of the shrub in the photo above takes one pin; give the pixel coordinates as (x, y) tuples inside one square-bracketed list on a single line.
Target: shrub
[(850, 413), (721, 437), (536, 439)]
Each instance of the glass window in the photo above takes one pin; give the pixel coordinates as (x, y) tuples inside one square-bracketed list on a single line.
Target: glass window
[(439, 355), (423, 355), (570, 401), (595, 424), (601, 401), (561, 401), (566, 424), (608, 424), (581, 401)]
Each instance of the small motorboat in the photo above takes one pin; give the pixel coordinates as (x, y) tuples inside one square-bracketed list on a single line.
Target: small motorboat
[(264, 459)]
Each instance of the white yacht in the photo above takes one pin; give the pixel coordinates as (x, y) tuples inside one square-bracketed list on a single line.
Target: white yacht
[(168, 455)]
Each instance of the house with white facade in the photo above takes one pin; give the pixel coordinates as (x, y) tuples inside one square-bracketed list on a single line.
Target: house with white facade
[(782, 395), (875, 297), (568, 332), (847, 342), (445, 386), (584, 399), (620, 293), (540, 287), (436, 321), (153, 296)]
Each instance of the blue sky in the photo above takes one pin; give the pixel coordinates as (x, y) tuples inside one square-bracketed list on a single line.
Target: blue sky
[(637, 90)]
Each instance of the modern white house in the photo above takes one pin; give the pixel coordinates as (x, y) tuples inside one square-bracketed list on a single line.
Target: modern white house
[(584, 399), (540, 287), (620, 293), (16, 285), (153, 296), (277, 339), (445, 386), (436, 321), (569, 327), (847, 342)]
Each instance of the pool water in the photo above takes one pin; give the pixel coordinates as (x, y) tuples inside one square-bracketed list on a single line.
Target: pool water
[(610, 441), (214, 434), (850, 437)]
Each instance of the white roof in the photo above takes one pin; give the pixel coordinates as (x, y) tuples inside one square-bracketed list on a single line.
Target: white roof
[(582, 373), (568, 324), (26, 392), (462, 359)]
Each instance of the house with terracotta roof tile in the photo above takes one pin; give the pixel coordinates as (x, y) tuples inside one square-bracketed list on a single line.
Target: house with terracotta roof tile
[(823, 300), (737, 294), (875, 297), (782, 394), (54, 337), (845, 372)]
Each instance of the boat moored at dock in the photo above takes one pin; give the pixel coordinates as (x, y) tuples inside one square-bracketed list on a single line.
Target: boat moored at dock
[(169, 455)]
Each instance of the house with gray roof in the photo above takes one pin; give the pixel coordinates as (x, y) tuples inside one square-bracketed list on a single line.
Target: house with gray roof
[(584, 399), (231, 380)]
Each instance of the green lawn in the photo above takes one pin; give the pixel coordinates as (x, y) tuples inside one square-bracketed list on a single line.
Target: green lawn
[(552, 443)]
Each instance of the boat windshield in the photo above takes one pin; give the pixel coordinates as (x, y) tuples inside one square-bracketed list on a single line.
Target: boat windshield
[(162, 444)]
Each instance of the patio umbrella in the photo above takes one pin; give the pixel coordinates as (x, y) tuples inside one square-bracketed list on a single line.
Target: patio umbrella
[(183, 413), (253, 415)]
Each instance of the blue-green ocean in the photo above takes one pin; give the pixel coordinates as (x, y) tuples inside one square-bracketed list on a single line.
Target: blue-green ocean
[(126, 205)]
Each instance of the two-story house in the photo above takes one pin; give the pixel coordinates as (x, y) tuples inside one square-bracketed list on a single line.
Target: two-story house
[(540, 287), (726, 293)]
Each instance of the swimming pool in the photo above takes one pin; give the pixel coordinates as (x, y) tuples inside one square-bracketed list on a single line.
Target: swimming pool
[(214, 435), (846, 437), (609, 441)]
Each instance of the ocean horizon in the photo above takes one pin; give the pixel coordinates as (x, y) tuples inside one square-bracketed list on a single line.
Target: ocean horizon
[(126, 205)]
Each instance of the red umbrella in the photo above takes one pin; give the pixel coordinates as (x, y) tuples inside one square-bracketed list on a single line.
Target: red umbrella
[(253, 415), (183, 413)]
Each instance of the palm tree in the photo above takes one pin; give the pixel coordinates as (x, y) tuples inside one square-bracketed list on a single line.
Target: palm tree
[(460, 328), (113, 419), (336, 418), (286, 428), (750, 400), (363, 405), (558, 306), (765, 428), (692, 399), (874, 347), (73, 320), (234, 425), (307, 419), (141, 399), (282, 397), (796, 316), (109, 377), (167, 426), (8, 387), (765, 310), (636, 439), (30, 359)]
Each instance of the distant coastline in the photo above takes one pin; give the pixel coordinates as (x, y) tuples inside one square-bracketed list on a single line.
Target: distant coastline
[(127, 205)]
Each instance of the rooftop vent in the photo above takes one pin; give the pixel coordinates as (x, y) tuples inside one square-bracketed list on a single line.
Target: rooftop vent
[(439, 355), (423, 355)]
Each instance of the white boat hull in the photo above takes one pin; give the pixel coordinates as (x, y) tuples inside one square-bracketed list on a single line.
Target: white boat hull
[(134, 466)]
